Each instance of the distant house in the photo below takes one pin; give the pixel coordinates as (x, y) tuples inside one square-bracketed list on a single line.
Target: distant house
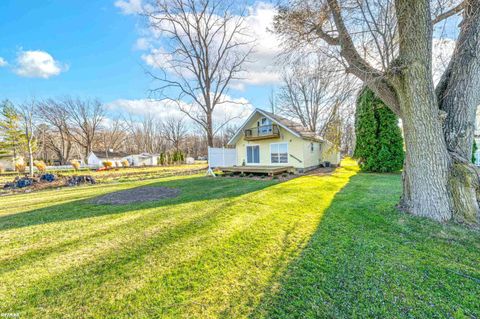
[(96, 158), (266, 139), (7, 162), (143, 159)]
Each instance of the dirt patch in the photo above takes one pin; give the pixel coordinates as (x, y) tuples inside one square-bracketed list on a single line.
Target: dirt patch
[(137, 195), (321, 171)]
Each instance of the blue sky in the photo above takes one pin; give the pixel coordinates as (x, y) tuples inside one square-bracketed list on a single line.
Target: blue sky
[(93, 45), (91, 51)]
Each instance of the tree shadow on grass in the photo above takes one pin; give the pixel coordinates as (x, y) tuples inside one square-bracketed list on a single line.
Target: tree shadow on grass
[(367, 260), (191, 189)]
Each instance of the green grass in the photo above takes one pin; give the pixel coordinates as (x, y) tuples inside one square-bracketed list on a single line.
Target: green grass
[(312, 247)]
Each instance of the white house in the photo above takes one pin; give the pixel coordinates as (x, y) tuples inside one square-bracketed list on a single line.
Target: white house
[(267, 139), (96, 158), (7, 162), (143, 159)]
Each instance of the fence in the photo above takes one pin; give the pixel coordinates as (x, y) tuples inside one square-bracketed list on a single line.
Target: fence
[(221, 157), (64, 167)]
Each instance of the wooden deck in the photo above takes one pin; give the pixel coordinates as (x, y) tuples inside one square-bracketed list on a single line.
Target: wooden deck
[(269, 170)]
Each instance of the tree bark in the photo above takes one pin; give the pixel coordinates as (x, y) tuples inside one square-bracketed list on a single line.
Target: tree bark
[(209, 130), (427, 161), (30, 158), (458, 96)]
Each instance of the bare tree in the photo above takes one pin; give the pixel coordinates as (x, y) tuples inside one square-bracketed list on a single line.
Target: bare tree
[(205, 49), (312, 91), (86, 117), (59, 137), (388, 45), (174, 130), (113, 136), (145, 133), (27, 113)]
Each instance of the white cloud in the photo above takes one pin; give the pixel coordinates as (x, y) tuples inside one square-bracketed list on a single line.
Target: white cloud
[(262, 69), (234, 108), (142, 107), (142, 44), (129, 6), (37, 64), (3, 62)]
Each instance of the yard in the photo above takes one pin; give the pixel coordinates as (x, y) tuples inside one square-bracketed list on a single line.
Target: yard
[(310, 247)]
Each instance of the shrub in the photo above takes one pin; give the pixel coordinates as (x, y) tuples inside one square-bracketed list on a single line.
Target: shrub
[(20, 167), (40, 165), (2, 169), (75, 164), (107, 164), (379, 145), (162, 159), (178, 157), (125, 163)]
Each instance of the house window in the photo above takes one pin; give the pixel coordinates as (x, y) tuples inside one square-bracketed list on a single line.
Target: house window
[(253, 154), (279, 153), (311, 147)]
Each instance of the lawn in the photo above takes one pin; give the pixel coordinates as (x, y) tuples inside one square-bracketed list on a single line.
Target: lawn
[(311, 247)]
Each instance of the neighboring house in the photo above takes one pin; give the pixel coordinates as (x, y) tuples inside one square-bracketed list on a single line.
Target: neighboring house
[(266, 139), (7, 162), (96, 158), (144, 159)]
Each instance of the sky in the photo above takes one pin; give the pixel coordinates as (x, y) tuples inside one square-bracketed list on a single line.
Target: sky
[(100, 49)]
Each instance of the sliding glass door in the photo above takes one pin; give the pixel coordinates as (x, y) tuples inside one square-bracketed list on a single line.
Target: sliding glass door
[(253, 154)]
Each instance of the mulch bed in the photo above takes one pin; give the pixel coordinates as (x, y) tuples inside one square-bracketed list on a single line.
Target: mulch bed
[(321, 171), (137, 195)]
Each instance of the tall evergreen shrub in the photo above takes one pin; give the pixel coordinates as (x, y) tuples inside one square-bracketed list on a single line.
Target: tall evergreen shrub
[(379, 146)]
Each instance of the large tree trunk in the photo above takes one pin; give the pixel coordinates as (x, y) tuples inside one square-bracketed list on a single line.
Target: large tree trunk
[(427, 161), (458, 94), (459, 89)]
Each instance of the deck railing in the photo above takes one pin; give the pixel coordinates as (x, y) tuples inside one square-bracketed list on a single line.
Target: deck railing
[(263, 131)]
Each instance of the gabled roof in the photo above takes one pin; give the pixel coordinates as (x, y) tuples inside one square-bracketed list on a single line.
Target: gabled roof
[(107, 154), (293, 127)]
